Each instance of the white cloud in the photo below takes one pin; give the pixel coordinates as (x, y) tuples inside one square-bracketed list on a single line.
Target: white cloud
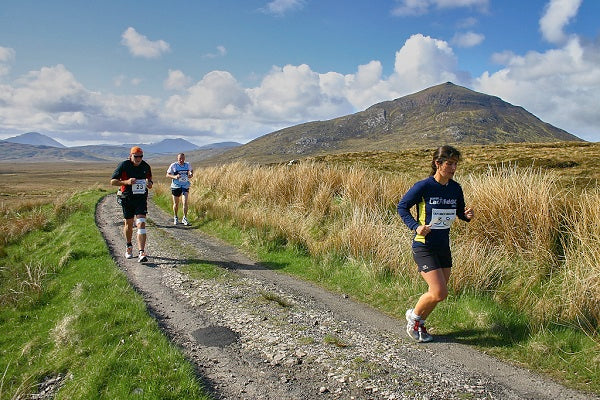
[(51, 89), (561, 86), (367, 86), (280, 7), (468, 39), (176, 80), (221, 51), (294, 94), (557, 14), (420, 7), (424, 61), (7, 56), (289, 93), (218, 95), (140, 46), (52, 100)]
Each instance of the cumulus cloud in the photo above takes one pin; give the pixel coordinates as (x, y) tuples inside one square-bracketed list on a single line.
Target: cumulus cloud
[(561, 86), (424, 61), (140, 46), (557, 14), (281, 7), (51, 89), (291, 93), (7, 56), (176, 80), (217, 95), (53, 100), (420, 7), (468, 39)]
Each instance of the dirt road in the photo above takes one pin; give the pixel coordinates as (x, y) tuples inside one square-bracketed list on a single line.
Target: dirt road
[(253, 333)]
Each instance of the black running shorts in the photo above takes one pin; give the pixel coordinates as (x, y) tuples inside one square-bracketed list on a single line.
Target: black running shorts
[(134, 205), (429, 259), (179, 191)]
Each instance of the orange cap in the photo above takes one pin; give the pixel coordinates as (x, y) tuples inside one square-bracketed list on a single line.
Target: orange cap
[(135, 150)]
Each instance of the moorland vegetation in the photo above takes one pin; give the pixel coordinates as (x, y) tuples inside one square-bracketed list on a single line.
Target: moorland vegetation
[(526, 278), (525, 286)]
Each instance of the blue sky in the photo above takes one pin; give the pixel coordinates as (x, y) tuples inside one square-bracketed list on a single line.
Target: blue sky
[(212, 71)]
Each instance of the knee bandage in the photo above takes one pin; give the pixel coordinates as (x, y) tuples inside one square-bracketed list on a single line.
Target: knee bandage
[(141, 231), (140, 220)]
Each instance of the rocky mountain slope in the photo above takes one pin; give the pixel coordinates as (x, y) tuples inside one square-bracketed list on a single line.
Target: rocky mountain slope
[(443, 114)]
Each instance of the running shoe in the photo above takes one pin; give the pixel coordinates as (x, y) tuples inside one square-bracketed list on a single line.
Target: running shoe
[(185, 221), (175, 221), (129, 252), (142, 257), (424, 336), (412, 325)]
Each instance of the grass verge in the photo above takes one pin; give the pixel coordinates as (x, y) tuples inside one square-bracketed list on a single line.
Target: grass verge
[(77, 326), (564, 353)]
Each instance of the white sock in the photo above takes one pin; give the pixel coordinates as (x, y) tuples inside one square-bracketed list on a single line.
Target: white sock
[(415, 316)]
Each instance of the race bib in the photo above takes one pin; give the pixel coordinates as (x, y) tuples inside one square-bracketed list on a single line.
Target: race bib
[(183, 177), (442, 218), (139, 187)]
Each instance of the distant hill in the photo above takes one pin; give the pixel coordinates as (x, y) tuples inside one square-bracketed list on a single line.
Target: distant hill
[(198, 155), (168, 146), (35, 139), (104, 153), (220, 145), (19, 152), (442, 114)]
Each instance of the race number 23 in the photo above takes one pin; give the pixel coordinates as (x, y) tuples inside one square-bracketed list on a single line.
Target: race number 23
[(139, 187)]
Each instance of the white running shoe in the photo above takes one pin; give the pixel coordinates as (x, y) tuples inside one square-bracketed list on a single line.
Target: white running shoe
[(185, 221), (424, 336), (175, 221), (412, 325), (416, 328), (142, 257), (129, 252)]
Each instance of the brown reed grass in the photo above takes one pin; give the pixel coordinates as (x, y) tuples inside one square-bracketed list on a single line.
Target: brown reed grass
[(527, 245)]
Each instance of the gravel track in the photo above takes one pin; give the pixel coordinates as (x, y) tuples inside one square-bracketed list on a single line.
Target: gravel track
[(253, 333)]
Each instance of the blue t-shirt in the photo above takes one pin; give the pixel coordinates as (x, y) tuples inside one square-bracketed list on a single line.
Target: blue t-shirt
[(183, 171), (437, 205)]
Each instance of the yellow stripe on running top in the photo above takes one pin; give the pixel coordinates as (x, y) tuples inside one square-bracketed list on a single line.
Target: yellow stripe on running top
[(421, 221)]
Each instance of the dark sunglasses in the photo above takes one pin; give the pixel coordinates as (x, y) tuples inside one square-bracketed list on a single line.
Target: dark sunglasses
[(138, 156)]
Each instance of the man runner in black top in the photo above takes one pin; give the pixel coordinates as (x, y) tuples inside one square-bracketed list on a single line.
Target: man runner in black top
[(134, 176)]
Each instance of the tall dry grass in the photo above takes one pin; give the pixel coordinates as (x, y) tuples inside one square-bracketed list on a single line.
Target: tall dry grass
[(17, 218), (578, 286), (532, 244)]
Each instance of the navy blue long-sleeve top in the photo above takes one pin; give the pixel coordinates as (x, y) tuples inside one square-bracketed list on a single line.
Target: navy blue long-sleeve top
[(437, 205)]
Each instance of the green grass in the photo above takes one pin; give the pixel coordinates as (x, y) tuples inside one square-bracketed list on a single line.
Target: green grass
[(79, 319), (562, 352)]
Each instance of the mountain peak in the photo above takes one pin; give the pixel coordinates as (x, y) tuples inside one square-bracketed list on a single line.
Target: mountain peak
[(36, 139), (442, 114)]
